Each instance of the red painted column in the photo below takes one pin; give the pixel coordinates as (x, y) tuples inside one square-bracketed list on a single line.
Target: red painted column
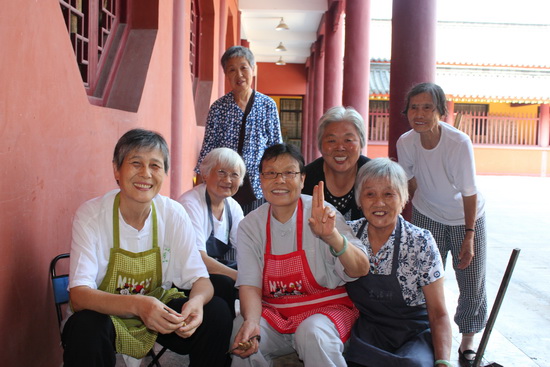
[(544, 130), (357, 59), (306, 109), (179, 36), (413, 58), (312, 85), (318, 96), (222, 35), (334, 55)]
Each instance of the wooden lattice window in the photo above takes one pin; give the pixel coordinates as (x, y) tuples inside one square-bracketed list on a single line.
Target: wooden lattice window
[(291, 120), (91, 24), (194, 39)]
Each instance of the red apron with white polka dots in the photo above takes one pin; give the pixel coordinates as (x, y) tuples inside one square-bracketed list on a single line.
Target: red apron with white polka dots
[(290, 293)]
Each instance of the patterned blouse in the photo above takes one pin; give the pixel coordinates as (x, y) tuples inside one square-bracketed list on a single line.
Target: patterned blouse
[(420, 263), (223, 127)]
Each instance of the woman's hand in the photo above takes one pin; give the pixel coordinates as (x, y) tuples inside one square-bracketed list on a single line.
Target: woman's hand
[(322, 221), (157, 316), (192, 312), (466, 251), (247, 341)]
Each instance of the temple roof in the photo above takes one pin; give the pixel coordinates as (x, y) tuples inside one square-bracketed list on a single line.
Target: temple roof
[(476, 83)]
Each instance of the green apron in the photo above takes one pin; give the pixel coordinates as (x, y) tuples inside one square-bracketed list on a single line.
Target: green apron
[(130, 273)]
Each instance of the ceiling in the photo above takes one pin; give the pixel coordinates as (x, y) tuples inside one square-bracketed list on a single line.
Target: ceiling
[(260, 17)]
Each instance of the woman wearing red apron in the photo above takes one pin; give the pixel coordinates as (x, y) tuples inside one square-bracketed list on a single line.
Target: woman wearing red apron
[(292, 288), (403, 319)]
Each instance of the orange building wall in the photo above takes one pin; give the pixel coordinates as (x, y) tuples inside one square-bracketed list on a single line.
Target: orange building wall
[(56, 153), (493, 160)]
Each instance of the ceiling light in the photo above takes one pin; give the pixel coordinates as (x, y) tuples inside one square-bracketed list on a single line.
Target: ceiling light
[(280, 61), (282, 26), (281, 47)]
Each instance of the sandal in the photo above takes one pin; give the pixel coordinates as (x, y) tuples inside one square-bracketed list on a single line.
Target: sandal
[(463, 361)]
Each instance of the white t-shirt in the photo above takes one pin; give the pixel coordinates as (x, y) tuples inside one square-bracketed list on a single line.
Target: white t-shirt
[(93, 239), (194, 202), (327, 270), (443, 174)]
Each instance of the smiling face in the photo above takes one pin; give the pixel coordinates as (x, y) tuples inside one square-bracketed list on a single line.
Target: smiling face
[(239, 73), (422, 114), (220, 187), (282, 194), (340, 146), (381, 203), (140, 176)]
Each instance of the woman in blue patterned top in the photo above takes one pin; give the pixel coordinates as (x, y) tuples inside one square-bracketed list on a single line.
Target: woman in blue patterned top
[(244, 120), (403, 319)]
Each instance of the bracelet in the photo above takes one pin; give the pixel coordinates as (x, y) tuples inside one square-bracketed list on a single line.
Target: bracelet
[(470, 230), (339, 253), (444, 362)]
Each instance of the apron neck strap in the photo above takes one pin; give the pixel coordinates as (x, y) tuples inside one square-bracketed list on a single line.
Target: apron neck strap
[(396, 241), (116, 223), (299, 228), (211, 216)]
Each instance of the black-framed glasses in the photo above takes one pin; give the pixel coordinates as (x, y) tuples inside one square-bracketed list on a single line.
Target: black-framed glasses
[(285, 175), (233, 176)]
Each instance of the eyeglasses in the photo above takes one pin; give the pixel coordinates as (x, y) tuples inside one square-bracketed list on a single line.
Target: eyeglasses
[(233, 176), (285, 175)]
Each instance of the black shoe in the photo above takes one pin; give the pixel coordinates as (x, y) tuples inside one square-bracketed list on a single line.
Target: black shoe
[(463, 361)]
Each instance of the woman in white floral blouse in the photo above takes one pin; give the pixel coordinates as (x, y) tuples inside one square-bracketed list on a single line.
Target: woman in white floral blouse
[(403, 319)]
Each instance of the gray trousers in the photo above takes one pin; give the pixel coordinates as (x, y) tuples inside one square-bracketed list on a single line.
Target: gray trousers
[(316, 341)]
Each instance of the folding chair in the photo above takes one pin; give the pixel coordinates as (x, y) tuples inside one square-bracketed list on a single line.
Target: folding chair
[(60, 283)]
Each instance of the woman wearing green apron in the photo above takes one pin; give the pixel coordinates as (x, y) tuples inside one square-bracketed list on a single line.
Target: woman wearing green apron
[(130, 249)]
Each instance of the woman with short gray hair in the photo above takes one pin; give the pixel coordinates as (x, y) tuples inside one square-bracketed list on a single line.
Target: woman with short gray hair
[(340, 138), (440, 165), (244, 120), (403, 319), (215, 216)]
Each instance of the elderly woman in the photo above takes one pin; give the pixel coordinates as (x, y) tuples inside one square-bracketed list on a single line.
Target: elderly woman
[(216, 216), (243, 120), (129, 247), (403, 319), (440, 166), (340, 138), (291, 289)]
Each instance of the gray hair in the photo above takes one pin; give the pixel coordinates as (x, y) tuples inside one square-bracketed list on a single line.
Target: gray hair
[(383, 168), (338, 114), (140, 139), (238, 51), (434, 90), (225, 157)]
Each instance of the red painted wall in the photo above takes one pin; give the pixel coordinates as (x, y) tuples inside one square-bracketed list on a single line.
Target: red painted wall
[(56, 153), (286, 80)]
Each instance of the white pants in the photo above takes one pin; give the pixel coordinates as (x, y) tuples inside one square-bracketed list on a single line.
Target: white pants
[(316, 341)]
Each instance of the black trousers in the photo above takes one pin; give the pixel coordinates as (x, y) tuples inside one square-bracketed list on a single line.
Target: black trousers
[(89, 338), (224, 287)]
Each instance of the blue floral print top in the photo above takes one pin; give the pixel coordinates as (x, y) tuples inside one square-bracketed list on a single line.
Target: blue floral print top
[(420, 263), (223, 127)]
